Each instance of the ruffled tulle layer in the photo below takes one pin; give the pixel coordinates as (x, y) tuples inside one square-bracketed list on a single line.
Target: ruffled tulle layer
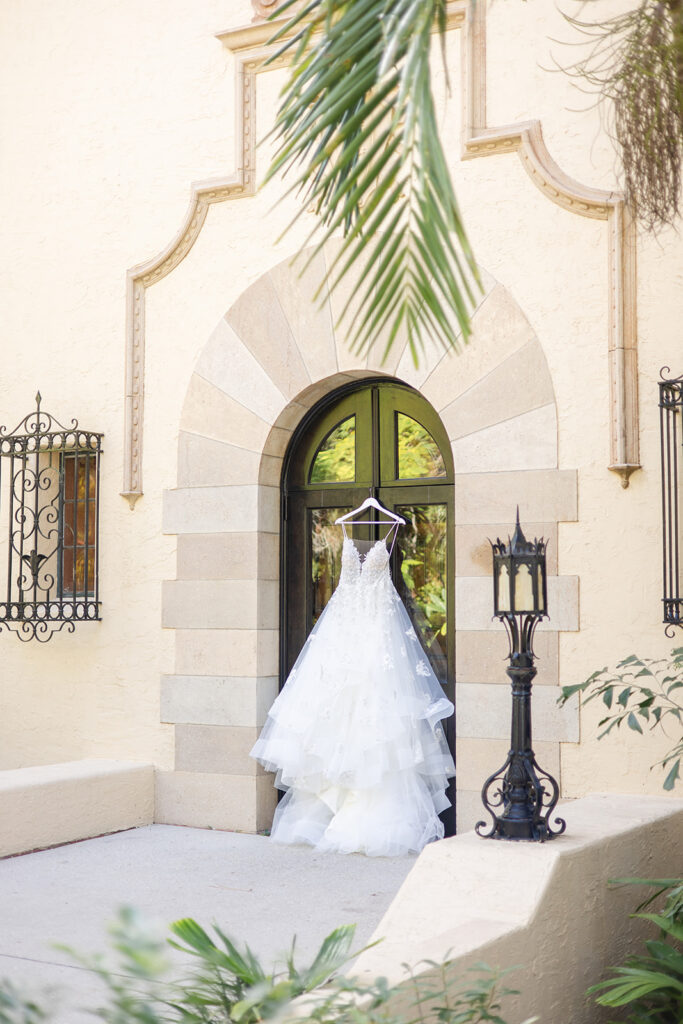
[(390, 820)]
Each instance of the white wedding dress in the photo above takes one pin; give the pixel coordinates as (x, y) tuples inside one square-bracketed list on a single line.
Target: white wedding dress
[(355, 734)]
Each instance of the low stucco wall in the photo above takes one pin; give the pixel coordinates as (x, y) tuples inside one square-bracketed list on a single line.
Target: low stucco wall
[(60, 803), (546, 908)]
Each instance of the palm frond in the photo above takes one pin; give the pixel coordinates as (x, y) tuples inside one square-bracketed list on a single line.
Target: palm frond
[(357, 128)]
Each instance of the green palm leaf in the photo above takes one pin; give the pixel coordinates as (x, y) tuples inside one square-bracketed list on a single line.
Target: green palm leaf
[(333, 954), (357, 129), (243, 965)]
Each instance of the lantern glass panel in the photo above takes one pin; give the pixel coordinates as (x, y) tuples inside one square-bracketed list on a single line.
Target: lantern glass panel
[(524, 593), (541, 592), (503, 588)]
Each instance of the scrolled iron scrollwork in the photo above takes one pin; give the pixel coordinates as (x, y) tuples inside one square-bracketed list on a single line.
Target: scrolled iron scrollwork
[(37, 423), (671, 445), (41, 630), (666, 378), (51, 519), (537, 793), (492, 801)]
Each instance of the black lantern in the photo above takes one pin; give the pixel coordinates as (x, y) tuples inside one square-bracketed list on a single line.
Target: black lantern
[(519, 576), (520, 796)]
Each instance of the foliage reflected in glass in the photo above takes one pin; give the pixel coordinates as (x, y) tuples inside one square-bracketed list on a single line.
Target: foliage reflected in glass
[(421, 581), (78, 518), (335, 459), (326, 552), (418, 452)]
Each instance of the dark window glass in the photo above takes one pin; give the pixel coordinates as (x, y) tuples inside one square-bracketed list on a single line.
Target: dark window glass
[(78, 526), (418, 452), (326, 550), (335, 459), (421, 559)]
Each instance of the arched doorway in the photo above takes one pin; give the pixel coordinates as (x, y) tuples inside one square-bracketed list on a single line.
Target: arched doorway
[(382, 438)]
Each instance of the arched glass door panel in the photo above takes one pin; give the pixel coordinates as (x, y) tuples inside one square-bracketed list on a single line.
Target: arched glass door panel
[(326, 549), (333, 447), (418, 455), (422, 577), (335, 459)]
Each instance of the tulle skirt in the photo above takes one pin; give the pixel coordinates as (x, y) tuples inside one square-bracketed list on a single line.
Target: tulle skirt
[(355, 735)]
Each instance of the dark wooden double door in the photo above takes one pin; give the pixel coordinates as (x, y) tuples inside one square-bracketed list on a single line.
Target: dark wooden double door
[(385, 440)]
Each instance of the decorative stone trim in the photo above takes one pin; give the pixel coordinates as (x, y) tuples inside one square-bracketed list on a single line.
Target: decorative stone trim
[(526, 139), (203, 195), (262, 9)]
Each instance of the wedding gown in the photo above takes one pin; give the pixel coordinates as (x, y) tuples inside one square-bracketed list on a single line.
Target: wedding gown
[(355, 734)]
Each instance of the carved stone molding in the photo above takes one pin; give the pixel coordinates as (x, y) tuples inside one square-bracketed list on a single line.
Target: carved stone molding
[(526, 139), (263, 9), (249, 46), (203, 195)]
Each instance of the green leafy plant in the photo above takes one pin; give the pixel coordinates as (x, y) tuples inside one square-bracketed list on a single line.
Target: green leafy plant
[(15, 1009), (651, 985), (228, 984), (357, 126), (232, 985), (478, 1002), (643, 693), (136, 983)]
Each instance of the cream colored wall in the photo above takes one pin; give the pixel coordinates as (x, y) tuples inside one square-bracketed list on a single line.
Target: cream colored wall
[(112, 113), (558, 928), (108, 112)]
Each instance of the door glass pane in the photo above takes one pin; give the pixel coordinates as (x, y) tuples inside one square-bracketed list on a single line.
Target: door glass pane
[(418, 452), (421, 578), (326, 549), (335, 459)]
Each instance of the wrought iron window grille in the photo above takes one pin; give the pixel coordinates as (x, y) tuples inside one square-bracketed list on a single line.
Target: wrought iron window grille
[(671, 434), (49, 525)]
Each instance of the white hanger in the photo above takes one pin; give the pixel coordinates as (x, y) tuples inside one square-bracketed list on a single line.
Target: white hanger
[(370, 503)]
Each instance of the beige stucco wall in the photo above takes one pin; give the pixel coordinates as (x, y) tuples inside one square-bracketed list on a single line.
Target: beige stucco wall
[(111, 114), (108, 124), (559, 928)]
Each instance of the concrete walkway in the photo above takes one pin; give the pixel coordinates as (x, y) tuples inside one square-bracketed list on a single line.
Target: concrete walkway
[(256, 891)]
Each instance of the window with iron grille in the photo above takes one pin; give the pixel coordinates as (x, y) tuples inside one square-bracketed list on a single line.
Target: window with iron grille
[(49, 525), (671, 433)]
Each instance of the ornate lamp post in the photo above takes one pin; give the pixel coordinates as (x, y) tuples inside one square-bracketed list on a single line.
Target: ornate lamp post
[(520, 796)]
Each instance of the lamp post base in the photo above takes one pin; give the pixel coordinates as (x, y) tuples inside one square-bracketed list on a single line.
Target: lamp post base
[(527, 796)]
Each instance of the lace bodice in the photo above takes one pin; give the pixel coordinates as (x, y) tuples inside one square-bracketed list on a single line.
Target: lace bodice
[(367, 571)]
